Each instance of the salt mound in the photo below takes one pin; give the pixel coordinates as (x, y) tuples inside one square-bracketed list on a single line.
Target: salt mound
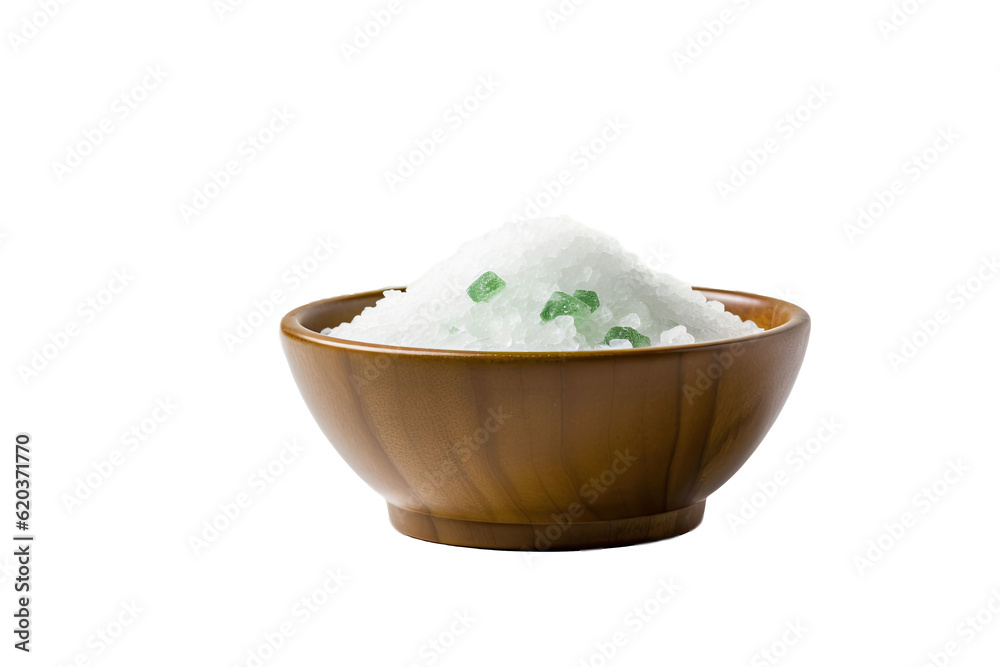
[(536, 259)]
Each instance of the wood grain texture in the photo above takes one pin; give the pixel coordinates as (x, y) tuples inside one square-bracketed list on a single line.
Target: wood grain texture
[(543, 450)]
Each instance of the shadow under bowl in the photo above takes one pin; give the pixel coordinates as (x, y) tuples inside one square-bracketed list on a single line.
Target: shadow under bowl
[(546, 450)]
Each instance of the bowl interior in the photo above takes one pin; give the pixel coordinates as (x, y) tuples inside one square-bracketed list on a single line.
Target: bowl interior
[(332, 312), (768, 313)]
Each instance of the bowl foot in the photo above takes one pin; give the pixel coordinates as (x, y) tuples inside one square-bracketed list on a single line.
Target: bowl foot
[(546, 536)]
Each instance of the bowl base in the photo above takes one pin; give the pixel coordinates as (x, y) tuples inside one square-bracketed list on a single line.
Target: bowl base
[(546, 536)]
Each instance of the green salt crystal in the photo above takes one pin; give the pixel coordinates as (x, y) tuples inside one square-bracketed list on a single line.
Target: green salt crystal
[(627, 333), (561, 303), (589, 298), (485, 287)]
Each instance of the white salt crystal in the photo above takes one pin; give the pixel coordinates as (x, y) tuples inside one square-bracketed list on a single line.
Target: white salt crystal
[(676, 336), (631, 320), (535, 259)]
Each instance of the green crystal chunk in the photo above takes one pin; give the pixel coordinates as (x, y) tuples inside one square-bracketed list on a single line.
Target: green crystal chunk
[(589, 298), (485, 287), (627, 333), (561, 303)]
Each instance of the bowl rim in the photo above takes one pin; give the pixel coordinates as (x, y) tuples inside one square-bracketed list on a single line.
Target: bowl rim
[(292, 327)]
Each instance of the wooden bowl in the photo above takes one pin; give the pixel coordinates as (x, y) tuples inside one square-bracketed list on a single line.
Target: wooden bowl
[(546, 450)]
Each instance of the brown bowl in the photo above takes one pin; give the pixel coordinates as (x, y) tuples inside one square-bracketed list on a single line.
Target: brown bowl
[(546, 450)]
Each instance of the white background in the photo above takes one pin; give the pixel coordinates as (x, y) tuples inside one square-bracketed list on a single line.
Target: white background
[(191, 281)]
